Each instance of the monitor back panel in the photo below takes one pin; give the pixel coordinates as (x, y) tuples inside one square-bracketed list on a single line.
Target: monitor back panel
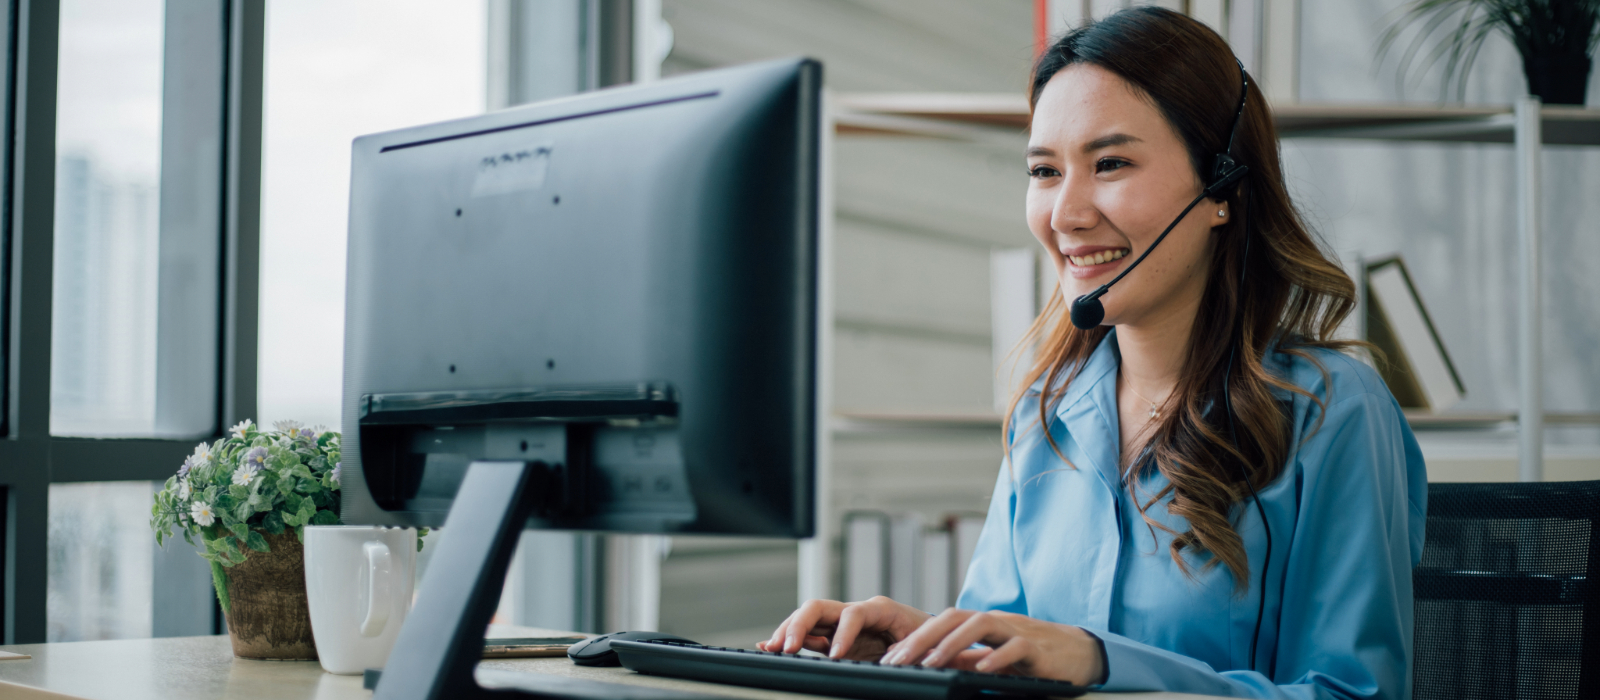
[(659, 239)]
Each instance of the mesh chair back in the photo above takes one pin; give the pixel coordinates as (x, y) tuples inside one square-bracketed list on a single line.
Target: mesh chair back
[(1504, 608)]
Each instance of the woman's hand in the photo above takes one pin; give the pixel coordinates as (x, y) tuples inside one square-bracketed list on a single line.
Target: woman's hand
[(858, 631), (1017, 644)]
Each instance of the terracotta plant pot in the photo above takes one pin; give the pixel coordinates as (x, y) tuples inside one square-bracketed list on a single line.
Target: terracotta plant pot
[(268, 617)]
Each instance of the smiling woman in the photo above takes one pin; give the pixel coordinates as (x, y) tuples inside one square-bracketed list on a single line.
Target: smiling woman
[(1157, 449)]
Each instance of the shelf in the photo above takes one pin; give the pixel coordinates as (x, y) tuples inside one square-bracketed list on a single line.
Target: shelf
[(955, 114), (859, 422)]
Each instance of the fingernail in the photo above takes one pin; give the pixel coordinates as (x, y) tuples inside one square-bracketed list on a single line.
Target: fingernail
[(932, 659), (892, 659), (833, 651), (983, 665)]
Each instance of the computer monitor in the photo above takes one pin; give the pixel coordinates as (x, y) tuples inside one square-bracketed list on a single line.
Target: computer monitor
[(592, 313), (621, 285)]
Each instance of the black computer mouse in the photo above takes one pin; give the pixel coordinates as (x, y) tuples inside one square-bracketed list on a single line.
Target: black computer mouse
[(596, 651)]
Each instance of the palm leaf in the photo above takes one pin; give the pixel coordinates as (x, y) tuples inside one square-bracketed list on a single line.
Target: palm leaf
[(1450, 34)]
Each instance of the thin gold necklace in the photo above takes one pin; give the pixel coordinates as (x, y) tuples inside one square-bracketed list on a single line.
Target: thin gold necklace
[(1155, 411)]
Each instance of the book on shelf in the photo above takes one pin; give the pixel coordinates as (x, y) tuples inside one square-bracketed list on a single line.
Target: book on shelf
[(1413, 362), (866, 555), (907, 558)]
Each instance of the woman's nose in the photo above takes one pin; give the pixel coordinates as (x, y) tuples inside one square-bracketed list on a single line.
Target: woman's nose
[(1072, 209)]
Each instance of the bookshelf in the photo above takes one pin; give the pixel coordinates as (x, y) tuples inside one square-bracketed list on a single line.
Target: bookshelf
[(1526, 125), (933, 114)]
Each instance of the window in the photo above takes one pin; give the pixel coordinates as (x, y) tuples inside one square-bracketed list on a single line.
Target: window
[(101, 561), (130, 216), (107, 219), (335, 72)]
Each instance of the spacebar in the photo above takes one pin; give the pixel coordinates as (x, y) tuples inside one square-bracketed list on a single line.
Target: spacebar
[(549, 685)]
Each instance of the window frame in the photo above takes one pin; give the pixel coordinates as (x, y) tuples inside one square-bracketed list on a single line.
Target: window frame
[(30, 457)]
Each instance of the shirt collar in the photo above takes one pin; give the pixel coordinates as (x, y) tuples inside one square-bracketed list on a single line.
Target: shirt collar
[(1102, 363)]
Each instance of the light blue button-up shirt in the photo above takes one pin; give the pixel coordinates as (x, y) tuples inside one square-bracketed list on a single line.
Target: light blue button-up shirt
[(1066, 543)]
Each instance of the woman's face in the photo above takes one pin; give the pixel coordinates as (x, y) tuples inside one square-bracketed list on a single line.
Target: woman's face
[(1107, 174)]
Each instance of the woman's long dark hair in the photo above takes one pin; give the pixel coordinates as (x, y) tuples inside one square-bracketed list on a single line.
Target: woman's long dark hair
[(1289, 292)]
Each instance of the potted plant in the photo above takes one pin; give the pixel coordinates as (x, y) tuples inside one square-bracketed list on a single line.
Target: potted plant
[(247, 497), (1556, 39)]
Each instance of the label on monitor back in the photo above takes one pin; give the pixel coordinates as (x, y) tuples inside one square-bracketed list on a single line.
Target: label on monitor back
[(515, 170)]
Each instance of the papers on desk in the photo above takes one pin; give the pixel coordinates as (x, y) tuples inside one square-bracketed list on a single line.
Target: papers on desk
[(13, 656)]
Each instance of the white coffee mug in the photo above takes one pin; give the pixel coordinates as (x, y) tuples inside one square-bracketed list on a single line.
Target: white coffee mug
[(358, 582)]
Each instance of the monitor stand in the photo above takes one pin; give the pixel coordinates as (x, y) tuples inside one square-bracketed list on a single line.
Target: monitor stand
[(441, 642)]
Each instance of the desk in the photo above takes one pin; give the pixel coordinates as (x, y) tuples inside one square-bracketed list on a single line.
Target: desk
[(181, 668)]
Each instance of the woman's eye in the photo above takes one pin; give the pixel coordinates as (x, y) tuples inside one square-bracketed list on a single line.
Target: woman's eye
[(1108, 164), (1042, 171)]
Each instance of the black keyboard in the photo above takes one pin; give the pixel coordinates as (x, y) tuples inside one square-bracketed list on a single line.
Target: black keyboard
[(823, 676)]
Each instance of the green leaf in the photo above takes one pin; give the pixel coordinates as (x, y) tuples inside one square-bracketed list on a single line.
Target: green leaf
[(325, 517), (272, 522), (257, 542), (237, 492), (219, 582), (308, 510), (421, 533), (239, 530), (227, 548), (291, 502)]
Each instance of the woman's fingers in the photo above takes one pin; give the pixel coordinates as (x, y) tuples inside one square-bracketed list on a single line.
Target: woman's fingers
[(968, 659), (1015, 651), (806, 621), (911, 649), (983, 627), (851, 621), (775, 642)]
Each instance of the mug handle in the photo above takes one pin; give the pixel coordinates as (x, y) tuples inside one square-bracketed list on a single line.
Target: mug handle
[(379, 568)]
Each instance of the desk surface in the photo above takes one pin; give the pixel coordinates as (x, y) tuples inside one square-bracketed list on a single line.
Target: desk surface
[(180, 668)]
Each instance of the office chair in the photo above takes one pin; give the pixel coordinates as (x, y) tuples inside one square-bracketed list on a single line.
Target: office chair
[(1504, 604)]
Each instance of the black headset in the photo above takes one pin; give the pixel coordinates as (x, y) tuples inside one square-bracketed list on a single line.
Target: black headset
[(1088, 312)]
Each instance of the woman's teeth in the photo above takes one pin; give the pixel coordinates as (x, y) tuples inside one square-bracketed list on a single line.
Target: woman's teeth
[(1103, 256)]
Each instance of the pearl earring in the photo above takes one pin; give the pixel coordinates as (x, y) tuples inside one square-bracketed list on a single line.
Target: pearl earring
[(1221, 213)]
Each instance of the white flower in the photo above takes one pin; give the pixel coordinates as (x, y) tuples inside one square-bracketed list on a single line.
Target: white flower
[(243, 475), (286, 426), (238, 430), (185, 491), (201, 512)]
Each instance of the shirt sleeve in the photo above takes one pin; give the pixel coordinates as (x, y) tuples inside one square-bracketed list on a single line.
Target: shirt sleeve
[(992, 581), (1345, 616)]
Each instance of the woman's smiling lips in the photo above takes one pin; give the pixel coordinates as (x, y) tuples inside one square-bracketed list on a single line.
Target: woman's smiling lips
[(1094, 260)]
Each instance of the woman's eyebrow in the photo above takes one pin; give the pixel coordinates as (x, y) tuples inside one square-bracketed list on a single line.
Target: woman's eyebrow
[(1039, 152), (1109, 141)]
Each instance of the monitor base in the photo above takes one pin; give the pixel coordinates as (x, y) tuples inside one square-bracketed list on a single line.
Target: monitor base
[(441, 642)]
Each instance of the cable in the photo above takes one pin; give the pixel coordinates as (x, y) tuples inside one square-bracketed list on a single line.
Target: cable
[(1244, 470)]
